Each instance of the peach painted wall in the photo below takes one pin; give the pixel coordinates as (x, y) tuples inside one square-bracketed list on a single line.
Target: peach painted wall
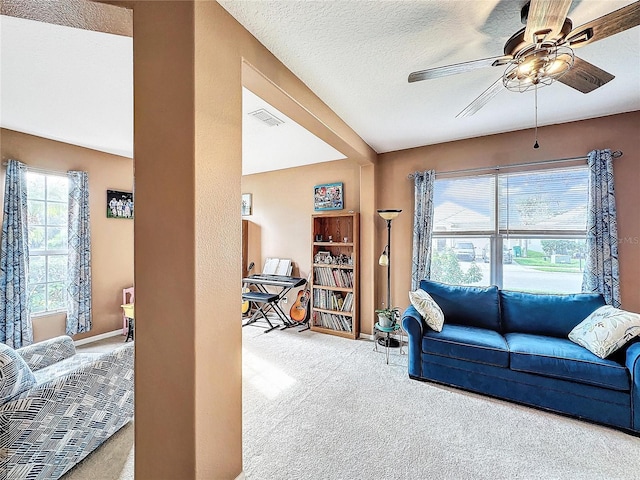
[(111, 239), (280, 224), (187, 236), (618, 132)]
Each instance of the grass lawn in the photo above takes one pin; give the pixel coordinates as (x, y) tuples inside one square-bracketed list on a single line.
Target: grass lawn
[(539, 262)]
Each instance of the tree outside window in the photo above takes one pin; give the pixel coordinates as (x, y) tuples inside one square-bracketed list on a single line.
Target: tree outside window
[(47, 209)]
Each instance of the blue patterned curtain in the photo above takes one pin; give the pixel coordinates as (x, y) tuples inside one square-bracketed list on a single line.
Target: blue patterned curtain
[(422, 226), (601, 271), (79, 264), (15, 319)]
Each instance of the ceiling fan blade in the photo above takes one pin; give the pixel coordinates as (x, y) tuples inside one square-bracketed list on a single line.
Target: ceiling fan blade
[(584, 76), (605, 26), (482, 100), (545, 19), (458, 68)]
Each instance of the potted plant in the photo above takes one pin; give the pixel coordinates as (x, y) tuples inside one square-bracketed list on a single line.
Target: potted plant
[(387, 317)]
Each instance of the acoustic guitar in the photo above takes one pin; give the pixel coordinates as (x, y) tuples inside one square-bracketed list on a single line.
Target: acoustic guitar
[(246, 304), (299, 310)]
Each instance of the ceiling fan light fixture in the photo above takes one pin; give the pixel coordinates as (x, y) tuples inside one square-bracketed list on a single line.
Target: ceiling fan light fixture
[(560, 65), (538, 65), (525, 68)]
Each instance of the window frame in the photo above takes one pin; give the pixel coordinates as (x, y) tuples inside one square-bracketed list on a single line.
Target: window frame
[(46, 252), (498, 235)]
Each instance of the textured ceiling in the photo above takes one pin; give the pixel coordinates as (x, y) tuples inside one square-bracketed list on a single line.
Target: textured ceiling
[(67, 84), (356, 56), (266, 148), (75, 85)]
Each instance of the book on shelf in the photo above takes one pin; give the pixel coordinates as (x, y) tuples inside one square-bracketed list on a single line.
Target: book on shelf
[(333, 277), (332, 321), (330, 300), (347, 304)]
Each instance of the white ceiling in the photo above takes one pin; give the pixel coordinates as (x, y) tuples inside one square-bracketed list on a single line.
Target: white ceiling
[(75, 85), (266, 148), (67, 84), (356, 56)]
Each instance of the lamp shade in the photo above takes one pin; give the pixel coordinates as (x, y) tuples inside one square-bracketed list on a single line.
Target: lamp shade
[(383, 261), (389, 214)]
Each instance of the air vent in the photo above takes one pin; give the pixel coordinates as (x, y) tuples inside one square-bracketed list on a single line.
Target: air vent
[(266, 117)]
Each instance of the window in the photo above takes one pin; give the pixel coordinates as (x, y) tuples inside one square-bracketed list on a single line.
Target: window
[(520, 231), (47, 208)]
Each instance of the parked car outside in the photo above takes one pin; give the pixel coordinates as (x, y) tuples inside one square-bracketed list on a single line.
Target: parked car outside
[(465, 251), (507, 256)]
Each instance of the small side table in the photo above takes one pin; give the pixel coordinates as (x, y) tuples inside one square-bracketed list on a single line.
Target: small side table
[(386, 334), (129, 314)]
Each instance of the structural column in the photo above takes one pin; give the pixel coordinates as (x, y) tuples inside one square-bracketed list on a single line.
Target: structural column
[(187, 244)]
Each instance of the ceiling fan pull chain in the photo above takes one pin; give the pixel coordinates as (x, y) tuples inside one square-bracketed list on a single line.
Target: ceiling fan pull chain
[(535, 92)]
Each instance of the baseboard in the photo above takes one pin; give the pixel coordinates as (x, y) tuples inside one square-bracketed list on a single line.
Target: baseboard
[(241, 476), (95, 338)]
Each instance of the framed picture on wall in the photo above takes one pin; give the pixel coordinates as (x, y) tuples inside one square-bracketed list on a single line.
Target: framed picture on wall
[(328, 197), (246, 204), (119, 204)]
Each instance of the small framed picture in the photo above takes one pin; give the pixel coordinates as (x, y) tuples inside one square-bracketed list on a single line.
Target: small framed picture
[(246, 204), (119, 204), (323, 257), (328, 197)]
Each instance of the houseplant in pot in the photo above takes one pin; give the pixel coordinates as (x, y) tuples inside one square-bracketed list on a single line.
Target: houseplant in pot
[(387, 317)]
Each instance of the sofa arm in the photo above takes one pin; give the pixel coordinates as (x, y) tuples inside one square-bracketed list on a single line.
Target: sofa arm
[(47, 352), (88, 405), (414, 325), (633, 365)]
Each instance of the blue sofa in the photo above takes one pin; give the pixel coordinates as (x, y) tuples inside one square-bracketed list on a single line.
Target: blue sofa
[(515, 346)]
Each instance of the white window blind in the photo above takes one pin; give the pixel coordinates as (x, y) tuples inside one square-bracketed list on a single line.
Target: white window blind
[(464, 204), (543, 201)]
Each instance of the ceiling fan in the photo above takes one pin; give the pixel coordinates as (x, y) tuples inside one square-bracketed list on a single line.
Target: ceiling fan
[(542, 52)]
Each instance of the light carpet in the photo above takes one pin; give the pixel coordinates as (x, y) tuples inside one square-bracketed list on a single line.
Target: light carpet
[(322, 407)]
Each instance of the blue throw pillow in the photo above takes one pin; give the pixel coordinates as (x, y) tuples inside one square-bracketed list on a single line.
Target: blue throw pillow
[(464, 305), (546, 314)]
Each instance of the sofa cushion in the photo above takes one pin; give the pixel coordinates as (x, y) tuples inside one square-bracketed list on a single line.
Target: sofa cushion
[(546, 314), (42, 354), (473, 344), (428, 308), (606, 330), (561, 358), (464, 305), (65, 366), (15, 374)]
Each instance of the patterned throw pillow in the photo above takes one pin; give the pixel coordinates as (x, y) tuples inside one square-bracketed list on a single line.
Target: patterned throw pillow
[(606, 330), (428, 308), (15, 375)]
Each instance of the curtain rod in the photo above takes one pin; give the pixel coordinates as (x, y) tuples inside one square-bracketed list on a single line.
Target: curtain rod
[(40, 170), (615, 154)]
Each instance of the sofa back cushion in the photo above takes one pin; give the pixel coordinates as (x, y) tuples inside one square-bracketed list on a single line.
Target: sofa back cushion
[(42, 354), (546, 314), (464, 305), (15, 374)]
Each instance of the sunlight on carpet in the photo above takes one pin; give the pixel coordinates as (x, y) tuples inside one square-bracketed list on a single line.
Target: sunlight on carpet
[(265, 376)]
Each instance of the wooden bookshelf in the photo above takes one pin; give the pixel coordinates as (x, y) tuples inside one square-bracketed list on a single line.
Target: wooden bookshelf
[(335, 301)]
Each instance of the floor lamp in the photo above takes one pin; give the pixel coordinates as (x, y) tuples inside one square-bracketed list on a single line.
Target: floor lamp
[(385, 261)]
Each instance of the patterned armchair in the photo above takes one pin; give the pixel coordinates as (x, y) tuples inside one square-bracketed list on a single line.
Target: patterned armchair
[(57, 406)]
